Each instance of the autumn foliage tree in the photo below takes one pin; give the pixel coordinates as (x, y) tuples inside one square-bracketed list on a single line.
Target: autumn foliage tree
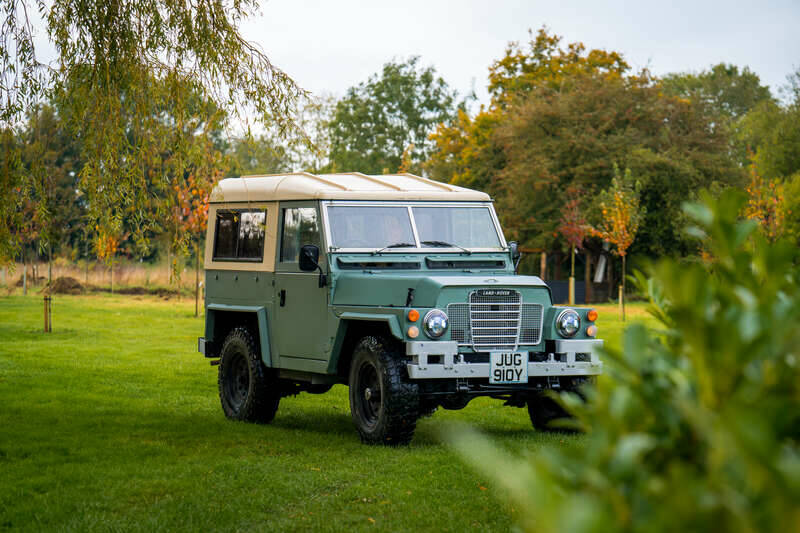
[(106, 246), (560, 116), (191, 217), (766, 204), (573, 229), (621, 217)]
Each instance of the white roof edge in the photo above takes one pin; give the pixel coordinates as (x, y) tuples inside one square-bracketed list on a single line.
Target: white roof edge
[(339, 186)]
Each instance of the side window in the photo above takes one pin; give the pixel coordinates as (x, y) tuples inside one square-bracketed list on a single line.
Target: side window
[(239, 235), (225, 235), (251, 235), (300, 227)]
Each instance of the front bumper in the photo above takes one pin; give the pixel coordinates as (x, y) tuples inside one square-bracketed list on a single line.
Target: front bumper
[(450, 364)]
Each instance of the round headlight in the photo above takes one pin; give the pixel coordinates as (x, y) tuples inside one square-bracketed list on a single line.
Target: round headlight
[(435, 323), (568, 323)]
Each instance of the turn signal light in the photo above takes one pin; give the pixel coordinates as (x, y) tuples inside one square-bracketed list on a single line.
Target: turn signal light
[(413, 332), (591, 316), (413, 315), (591, 331)]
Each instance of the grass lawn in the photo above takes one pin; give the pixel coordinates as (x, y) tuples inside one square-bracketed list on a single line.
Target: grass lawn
[(112, 422)]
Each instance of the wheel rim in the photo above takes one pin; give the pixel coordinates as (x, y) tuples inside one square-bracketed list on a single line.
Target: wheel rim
[(237, 381), (368, 395)]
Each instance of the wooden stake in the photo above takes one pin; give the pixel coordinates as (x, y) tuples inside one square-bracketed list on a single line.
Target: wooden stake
[(543, 266), (47, 324)]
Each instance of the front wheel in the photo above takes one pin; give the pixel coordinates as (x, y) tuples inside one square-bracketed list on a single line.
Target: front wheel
[(544, 411), (248, 390), (384, 404)]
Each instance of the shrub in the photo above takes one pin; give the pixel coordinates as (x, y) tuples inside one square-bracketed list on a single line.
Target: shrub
[(695, 426)]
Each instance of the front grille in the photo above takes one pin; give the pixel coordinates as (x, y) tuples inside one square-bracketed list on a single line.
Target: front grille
[(495, 320)]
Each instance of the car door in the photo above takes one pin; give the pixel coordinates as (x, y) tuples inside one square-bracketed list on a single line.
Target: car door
[(301, 305)]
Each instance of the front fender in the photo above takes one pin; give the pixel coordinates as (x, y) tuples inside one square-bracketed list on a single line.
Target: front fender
[(347, 318)]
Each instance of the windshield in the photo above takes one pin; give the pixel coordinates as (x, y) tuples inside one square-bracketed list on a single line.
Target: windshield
[(369, 227), (470, 227), (378, 227)]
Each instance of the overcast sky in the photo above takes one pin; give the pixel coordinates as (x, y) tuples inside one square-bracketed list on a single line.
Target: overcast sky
[(330, 45)]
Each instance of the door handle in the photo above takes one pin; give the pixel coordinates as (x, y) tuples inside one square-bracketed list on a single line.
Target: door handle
[(283, 297)]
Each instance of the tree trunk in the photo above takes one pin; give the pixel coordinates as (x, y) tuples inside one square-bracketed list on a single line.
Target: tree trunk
[(572, 263), (24, 273), (622, 296), (196, 278)]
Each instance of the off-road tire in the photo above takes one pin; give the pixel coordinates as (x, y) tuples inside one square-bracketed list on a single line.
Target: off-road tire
[(384, 403), (543, 411), (248, 390)]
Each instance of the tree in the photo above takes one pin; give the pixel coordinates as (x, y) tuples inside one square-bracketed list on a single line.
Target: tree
[(766, 204), (570, 138), (730, 92), (11, 200), (191, 217), (118, 63), (561, 116), (545, 64), (771, 134), (51, 162), (468, 152), (621, 216), (257, 155), (379, 119), (573, 229)]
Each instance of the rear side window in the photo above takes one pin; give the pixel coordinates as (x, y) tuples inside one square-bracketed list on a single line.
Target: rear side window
[(239, 235)]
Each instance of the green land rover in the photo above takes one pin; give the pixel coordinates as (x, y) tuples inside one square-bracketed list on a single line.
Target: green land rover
[(400, 287)]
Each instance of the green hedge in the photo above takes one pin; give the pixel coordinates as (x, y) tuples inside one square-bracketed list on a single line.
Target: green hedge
[(696, 425)]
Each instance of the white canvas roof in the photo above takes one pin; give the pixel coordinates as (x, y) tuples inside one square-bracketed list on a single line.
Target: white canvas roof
[(342, 186)]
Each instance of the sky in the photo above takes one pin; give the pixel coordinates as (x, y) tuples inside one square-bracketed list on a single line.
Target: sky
[(329, 46)]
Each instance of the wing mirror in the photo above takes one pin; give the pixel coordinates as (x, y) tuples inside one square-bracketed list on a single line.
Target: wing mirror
[(309, 262), (516, 255)]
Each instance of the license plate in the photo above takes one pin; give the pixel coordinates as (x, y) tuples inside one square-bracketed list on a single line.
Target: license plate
[(508, 367)]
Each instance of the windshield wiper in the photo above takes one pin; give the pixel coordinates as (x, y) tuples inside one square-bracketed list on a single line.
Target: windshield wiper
[(442, 244), (395, 245)]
